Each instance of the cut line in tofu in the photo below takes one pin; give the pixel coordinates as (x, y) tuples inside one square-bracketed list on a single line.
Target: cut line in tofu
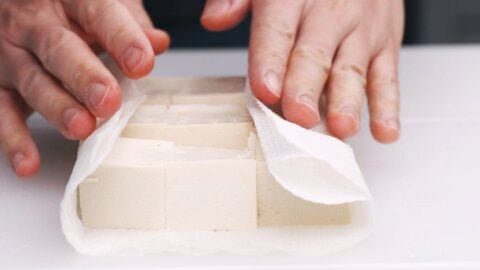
[(219, 126), (190, 159), (195, 85), (141, 181), (191, 114), (194, 90)]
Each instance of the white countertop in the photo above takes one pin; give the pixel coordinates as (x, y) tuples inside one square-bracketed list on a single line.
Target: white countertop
[(426, 187)]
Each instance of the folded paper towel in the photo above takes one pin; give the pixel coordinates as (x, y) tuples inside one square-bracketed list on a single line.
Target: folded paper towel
[(318, 170)]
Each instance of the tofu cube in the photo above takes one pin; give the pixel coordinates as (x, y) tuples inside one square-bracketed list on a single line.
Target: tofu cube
[(218, 126), (123, 197), (211, 195), (217, 135), (278, 207)]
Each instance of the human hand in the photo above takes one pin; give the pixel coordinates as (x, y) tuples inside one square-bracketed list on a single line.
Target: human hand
[(303, 49), (49, 65)]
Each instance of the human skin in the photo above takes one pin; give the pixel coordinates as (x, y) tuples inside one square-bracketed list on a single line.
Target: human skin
[(341, 49), (49, 65), (300, 50)]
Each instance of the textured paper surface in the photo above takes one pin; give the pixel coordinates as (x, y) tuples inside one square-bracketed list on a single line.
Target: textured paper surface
[(309, 164)]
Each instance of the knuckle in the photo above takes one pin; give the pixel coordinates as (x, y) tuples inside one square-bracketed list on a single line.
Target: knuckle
[(344, 12), (119, 36), (271, 57), (385, 82), (90, 12), (14, 19), (351, 70), (281, 29), (316, 56), (48, 45), (27, 82)]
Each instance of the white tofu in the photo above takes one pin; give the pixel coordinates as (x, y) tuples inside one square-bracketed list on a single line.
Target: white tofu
[(211, 195), (198, 85), (278, 207), (218, 135), (226, 126), (124, 197), (237, 98), (127, 191), (147, 184), (190, 114), (194, 90)]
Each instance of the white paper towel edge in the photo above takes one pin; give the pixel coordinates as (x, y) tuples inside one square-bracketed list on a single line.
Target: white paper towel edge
[(282, 145), (290, 151)]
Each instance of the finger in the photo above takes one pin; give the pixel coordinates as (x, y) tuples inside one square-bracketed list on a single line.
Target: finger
[(309, 67), (83, 74), (219, 15), (346, 86), (274, 28), (45, 95), (15, 139), (383, 97), (159, 39), (116, 31), (136, 8)]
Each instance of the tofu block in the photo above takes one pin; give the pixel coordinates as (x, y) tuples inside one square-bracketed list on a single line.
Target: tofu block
[(147, 184), (218, 135), (126, 197), (190, 114), (127, 191), (226, 126), (194, 90), (193, 85), (237, 98), (211, 195), (190, 159), (278, 207)]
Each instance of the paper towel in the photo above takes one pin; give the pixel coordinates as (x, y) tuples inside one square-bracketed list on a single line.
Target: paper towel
[(309, 164)]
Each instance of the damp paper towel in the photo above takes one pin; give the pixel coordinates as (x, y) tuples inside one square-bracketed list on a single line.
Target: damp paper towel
[(308, 163)]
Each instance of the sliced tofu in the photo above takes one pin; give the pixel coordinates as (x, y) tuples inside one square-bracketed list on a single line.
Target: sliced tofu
[(220, 126), (198, 85), (237, 98), (142, 182), (195, 90), (123, 197), (191, 160), (278, 207), (127, 191), (211, 195)]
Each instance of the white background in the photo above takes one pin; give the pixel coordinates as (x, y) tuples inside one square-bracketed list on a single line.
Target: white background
[(426, 187)]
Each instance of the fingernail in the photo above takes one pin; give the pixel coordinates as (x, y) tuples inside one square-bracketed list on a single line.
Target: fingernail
[(393, 123), (308, 101), (96, 94), (349, 111), (69, 115), (133, 57), (17, 161), (273, 83), (216, 7)]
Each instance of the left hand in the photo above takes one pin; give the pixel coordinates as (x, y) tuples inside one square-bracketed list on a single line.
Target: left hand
[(302, 49)]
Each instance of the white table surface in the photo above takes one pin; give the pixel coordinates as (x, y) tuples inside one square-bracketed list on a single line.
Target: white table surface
[(426, 187)]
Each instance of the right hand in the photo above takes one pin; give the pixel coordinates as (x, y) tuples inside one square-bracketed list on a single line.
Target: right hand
[(48, 64)]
